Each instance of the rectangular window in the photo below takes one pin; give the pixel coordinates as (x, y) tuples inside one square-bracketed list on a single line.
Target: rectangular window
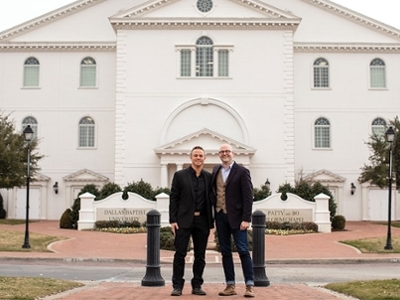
[(31, 76), (378, 78), (321, 77), (223, 63), (86, 136), (322, 139), (204, 62), (186, 63), (88, 76)]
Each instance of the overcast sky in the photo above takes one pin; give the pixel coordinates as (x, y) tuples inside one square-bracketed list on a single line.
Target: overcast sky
[(15, 12)]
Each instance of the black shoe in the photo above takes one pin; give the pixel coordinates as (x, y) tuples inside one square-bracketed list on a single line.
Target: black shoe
[(198, 291), (176, 292)]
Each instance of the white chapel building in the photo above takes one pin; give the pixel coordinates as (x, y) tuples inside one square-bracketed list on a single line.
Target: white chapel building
[(121, 90)]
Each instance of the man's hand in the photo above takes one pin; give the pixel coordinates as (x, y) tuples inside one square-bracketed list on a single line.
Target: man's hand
[(174, 227), (244, 225)]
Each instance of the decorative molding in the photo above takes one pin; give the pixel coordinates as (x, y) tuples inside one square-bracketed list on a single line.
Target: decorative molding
[(253, 24), (238, 147), (56, 14), (354, 16), (35, 46), (325, 176), (345, 47), (85, 175)]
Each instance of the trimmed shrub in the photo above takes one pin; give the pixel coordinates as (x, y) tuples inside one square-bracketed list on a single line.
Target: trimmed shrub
[(65, 221), (118, 224), (338, 223), (306, 226), (167, 239)]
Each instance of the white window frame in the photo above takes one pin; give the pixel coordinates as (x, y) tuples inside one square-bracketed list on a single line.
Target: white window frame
[(321, 135), (321, 69), (87, 139), (378, 127), (373, 77), (31, 67), (216, 69), (82, 68)]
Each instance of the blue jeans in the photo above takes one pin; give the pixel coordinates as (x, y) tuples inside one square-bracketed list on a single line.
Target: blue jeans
[(225, 233)]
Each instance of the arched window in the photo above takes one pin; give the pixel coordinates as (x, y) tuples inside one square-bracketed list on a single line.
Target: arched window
[(204, 57), (378, 127), (86, 132), (377, 73), (31, 72), (322, 134), (321, 73), (88, 72), (34, 125)]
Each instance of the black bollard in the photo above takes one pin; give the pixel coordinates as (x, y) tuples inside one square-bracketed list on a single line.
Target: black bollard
[(258, 224), (153, 276)]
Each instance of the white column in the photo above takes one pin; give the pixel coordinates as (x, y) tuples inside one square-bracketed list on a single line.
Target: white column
[(322, 214), (164, 175), (87, 215)]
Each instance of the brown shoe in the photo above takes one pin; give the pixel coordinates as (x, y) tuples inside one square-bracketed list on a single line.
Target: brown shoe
[(228, 291), (249, 293)]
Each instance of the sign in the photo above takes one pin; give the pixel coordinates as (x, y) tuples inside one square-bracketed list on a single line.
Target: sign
[(122, 214), (288, 215)]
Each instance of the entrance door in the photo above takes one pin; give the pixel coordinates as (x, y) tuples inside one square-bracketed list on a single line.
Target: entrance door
[(34, 204)]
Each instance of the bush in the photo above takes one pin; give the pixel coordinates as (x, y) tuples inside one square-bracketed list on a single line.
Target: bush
[(305, 226), (308, 189), (65, 221), (167, 238), (118, 224), (109, 189), (338, 223), (3, 212), (261, 193), (145, 190)]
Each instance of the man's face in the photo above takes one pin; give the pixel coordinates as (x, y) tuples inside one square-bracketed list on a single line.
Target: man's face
[(225, 154), (197, 157)]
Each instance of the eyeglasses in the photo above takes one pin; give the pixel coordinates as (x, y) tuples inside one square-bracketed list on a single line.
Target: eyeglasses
[(224, 151)]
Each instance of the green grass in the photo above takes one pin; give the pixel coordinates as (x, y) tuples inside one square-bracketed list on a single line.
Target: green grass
[(28, 288), (374, 245), (13, 241), (369, 290), (12, 222)]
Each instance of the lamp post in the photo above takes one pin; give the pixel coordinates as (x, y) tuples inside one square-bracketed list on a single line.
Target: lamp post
[(28, 133), (389, 137)]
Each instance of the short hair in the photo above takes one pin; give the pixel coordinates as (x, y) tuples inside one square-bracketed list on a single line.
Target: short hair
[(197, 148)]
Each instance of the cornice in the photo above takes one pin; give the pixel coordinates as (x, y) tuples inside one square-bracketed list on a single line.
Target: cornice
[(56, 14), (356, 17), (57, 46), (190, 23), (345, 47)]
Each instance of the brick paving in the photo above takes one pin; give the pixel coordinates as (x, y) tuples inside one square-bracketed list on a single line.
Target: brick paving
[(109, 247)]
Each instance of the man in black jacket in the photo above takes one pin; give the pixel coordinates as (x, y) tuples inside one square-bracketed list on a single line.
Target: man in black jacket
[(190, 214)]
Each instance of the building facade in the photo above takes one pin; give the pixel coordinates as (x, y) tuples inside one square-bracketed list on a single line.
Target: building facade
[(121, 90)]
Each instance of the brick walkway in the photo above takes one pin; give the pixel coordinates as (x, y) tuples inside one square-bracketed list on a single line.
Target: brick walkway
[(109, 247)]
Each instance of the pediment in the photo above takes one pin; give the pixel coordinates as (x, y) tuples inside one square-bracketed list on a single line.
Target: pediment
[(325, 176), (206, 138), (40, 177), (186, 11), (85, 175)]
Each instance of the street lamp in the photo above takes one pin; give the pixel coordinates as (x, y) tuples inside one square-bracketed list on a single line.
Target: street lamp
[(28, 133), (389, 137)]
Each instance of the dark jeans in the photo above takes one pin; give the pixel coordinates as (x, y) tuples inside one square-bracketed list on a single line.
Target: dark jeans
[(225, 233), (199, 232)]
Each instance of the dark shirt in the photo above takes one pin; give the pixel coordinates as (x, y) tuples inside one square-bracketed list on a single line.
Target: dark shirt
[(199, 190)]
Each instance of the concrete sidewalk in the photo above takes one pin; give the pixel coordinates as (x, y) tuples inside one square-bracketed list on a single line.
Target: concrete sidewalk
[(81, 246)]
